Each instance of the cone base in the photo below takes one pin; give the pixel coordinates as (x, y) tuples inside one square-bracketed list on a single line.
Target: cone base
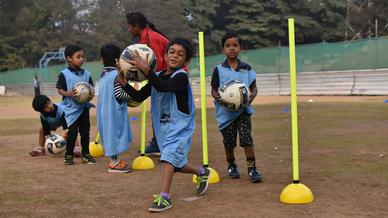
[(296, 193), (214, 177), (96, 150), (143, 163)]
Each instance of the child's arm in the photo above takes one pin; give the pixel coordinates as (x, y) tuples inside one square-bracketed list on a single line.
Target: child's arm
[(124, 92), (70, 93), (64, 126), (253, 90), (62, 86), (46, 127), (215, 83), (176, 84)]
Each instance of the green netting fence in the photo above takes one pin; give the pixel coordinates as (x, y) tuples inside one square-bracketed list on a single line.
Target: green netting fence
[(351, 55)]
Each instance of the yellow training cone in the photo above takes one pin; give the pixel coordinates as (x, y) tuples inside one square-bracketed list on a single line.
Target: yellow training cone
[(214, 177), (296, 193), (95, 148), (142, 163)]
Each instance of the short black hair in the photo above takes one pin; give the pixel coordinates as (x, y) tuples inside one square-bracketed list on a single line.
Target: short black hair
[(39, 102), (109, 53), (71, 49), (231, 35), (186, 44)]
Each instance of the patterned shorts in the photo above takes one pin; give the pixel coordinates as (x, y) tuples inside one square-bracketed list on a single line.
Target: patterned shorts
[(242, 125)]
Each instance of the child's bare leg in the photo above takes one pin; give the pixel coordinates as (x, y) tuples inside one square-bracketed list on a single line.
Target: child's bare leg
[(168, 172), (193, 169), (229, 154), (249, 151)]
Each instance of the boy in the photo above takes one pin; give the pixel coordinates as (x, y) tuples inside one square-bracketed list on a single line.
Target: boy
[(173, 117), (232, 122), (76, 114), (52, 116), (112, 113)]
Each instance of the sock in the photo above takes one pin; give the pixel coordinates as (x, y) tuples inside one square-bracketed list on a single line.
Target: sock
[(165, 195), (115, 159), (251, 162), (230, 160), (201, 171)]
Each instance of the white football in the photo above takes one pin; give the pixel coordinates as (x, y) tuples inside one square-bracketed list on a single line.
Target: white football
[(234, 95), (132, 73)]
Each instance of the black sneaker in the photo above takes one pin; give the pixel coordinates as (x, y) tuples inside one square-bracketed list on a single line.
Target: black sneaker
[(69, 160), (233, 171), (89, 159), (160, 204), (254, 174), (203, 182)]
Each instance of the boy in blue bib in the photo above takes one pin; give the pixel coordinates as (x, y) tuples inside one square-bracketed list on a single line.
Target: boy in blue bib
[(232, 122), (76, 114), (112, 113), (173, 117), (52, 116)]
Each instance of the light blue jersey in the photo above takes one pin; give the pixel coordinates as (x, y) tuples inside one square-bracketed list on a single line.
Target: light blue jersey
[(54, 122), (112, 118), (73, 109), (173, 129), (224, 116)]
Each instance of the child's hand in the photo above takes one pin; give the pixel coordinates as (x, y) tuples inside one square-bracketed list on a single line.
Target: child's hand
[(121, 79), (140, 63), (251, 97), (72, 93), (65, 134)]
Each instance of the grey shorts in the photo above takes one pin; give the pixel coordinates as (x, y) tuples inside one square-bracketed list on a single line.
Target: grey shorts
[(242, 125)]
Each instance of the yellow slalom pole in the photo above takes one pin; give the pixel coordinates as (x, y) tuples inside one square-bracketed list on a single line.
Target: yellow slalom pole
[(143, 126), (214, 177), (143, 162), (295, 193), (203, 98), (294, 102)]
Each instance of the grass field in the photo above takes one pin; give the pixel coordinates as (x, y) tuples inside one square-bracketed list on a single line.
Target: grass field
[(343, 159)]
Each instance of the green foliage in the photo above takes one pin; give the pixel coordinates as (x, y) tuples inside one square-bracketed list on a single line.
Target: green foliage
[(28, 28)]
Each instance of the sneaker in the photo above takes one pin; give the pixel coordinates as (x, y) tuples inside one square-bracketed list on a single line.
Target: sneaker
[(203, 182), (151, 150), (254, 174), (233, 171), (89, 159), (160, 204), (38, 151), (120, 167), (69, 160)]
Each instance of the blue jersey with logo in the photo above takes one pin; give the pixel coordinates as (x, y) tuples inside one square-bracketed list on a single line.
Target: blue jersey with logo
[(173, 129), (54, 122)]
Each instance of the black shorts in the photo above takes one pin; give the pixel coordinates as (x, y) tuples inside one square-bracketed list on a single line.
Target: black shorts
[(242, 125)]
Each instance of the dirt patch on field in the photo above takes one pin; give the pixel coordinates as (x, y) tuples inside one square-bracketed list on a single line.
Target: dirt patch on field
[(343, 159)]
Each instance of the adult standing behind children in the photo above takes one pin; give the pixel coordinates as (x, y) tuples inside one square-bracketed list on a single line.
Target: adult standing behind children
[(139, 26), (76, 114), (232, 122)]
